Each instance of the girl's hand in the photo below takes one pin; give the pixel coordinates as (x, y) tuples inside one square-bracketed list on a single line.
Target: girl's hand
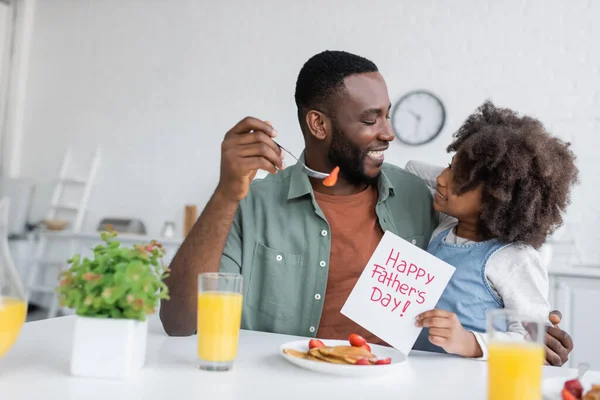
[(446, 332)]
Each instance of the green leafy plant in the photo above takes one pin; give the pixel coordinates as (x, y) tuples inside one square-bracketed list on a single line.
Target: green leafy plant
[(118, 282)]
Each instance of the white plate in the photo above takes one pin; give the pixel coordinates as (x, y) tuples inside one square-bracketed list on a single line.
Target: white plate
[(551, 387), (398, 359)]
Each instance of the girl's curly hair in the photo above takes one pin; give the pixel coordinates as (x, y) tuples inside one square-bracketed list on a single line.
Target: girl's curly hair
[(526, 174)]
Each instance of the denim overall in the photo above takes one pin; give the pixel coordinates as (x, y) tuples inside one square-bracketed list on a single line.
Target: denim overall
[(468, 293)]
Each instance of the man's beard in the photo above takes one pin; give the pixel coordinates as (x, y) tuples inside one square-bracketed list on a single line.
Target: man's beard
[(349, 158)]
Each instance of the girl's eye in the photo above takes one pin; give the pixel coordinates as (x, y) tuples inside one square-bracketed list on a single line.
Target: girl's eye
[(369, 122)]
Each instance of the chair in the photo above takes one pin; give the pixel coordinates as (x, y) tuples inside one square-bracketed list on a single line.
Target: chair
[(5, 258), (20, 193)]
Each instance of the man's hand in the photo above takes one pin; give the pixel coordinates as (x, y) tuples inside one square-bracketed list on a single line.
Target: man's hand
[(246, 148), (446, 331), (558, 342)]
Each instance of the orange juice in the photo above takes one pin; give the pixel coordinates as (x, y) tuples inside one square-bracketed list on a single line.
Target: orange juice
[(12, 317), (219, 319), (515, 371)]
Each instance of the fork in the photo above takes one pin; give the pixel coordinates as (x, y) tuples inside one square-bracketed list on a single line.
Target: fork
[(582, 368), (310, 172)]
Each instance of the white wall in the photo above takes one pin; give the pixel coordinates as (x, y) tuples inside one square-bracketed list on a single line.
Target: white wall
[(15, 90), (157, 83), (5, 41)]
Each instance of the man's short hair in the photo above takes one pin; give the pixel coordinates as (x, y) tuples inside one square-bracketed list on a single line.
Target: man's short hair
[(321, 79)]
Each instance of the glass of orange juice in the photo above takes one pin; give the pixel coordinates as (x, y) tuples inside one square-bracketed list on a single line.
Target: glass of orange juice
[(219, 319), (515, 355), (13, 305)]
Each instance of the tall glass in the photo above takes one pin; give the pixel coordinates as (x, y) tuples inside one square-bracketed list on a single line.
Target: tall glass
[(219, 320), (515, 356), (13, 306)]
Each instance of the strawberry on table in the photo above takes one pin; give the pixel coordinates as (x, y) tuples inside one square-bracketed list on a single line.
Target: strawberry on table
[(574, 386), (383, 361)]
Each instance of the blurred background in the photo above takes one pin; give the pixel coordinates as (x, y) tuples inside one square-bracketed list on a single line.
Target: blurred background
[(112, 112)]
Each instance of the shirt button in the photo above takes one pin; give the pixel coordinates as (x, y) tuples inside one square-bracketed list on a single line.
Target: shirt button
[(317, 296), (323, 232), (414, 241), (311, 329), (279, 258), (322, 263)]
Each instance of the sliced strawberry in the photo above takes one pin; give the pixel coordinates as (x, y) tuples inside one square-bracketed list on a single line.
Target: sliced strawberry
[(366, 347), (566, 395), (315, 343), (362, 361), (555, 319), (574, 386), (332, 178), (356, 340), (383, 361)]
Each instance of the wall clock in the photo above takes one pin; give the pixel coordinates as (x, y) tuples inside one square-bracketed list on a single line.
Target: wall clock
[(418, 117)]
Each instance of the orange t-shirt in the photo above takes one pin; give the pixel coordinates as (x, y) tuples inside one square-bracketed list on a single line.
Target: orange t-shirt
[(355, 233)]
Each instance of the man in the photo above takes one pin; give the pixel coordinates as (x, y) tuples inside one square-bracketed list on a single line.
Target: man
[(299, 244)]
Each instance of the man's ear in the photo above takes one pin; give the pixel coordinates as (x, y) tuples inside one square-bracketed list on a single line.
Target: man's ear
[(318, 124)]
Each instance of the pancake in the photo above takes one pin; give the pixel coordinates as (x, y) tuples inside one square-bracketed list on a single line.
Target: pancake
[(295, 353), (316, 353), (349, 354)]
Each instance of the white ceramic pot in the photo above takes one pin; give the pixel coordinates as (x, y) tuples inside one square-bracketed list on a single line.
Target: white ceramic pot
[(108, 348)]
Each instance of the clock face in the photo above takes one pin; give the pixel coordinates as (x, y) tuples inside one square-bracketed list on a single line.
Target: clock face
[(418, 117)]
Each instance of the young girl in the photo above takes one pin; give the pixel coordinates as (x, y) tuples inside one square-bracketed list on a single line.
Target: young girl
[(502, 195)]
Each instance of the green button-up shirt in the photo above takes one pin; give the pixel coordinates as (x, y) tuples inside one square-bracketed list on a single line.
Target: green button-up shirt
[(280, 242)]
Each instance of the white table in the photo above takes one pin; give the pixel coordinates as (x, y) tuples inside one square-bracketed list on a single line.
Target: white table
[(37, 367)]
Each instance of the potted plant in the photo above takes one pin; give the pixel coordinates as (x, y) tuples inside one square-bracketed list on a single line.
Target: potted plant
[(112, 293)]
